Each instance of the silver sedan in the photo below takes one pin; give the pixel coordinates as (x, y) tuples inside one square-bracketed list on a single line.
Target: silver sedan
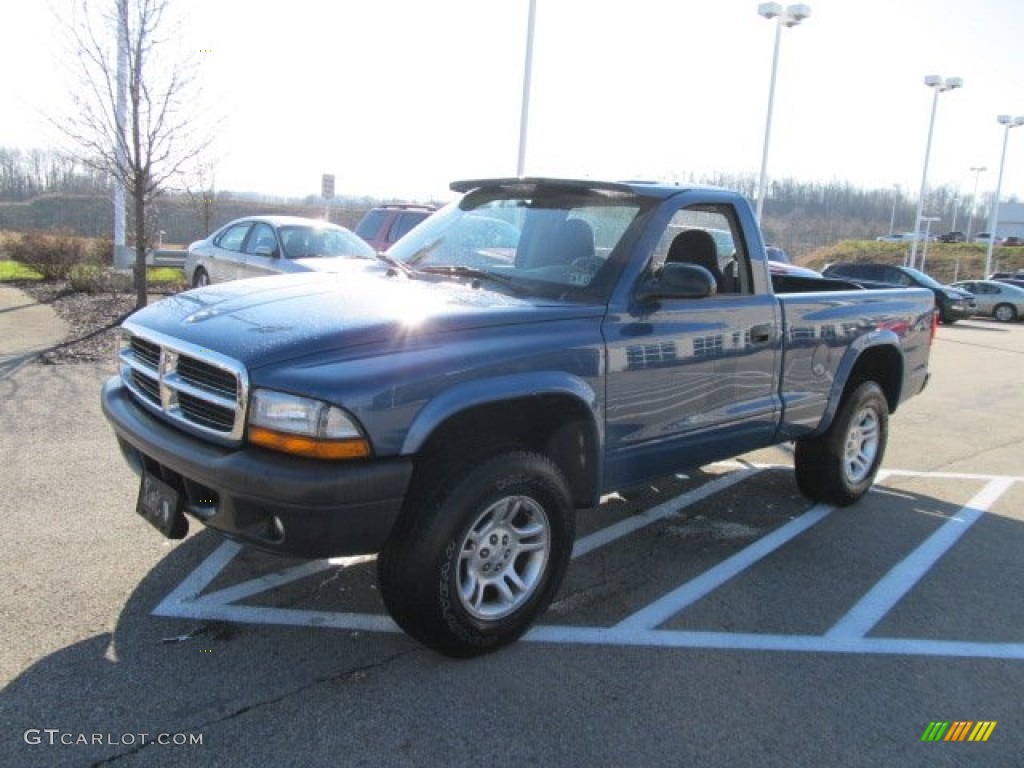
[(999, 300), (265, 245)]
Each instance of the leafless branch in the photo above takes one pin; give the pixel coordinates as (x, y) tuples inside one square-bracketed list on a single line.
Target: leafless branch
[(156, 141)]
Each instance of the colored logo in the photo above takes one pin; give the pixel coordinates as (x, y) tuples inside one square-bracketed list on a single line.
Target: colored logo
[(958, 730)]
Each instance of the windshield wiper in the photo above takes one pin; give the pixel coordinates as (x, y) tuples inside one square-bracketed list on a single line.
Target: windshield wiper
[(391, 261), (460, 270)]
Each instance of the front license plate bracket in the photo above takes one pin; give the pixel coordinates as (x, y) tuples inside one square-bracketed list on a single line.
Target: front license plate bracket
[(161, 505)]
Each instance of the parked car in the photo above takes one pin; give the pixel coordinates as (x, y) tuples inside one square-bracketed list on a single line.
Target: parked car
[(905, 237), (265, 245), (984, 237), (995, 299), (381, 227), (1009, 278), (953, 304), (1014, 241), (953, 237)]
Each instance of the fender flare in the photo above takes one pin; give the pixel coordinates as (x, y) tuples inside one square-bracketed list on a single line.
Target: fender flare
[(882, 337), (471, 394)]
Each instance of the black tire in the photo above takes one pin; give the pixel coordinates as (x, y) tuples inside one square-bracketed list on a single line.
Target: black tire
[(839, 466), (946, 318), (200, 278), (1005, 313), (469, 569)]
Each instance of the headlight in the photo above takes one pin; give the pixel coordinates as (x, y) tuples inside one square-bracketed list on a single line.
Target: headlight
[(304, 427)]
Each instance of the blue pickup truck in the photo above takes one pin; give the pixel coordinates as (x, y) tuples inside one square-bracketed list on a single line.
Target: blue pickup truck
[(530, 347)]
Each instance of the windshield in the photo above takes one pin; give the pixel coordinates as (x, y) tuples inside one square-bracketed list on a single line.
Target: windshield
[(301, 242), (555, 241)]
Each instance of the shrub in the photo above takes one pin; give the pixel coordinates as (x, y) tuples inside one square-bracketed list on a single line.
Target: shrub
[(95, 278), (52, 256)]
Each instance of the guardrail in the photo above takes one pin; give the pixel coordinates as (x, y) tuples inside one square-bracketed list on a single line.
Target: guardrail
[(166, 257)]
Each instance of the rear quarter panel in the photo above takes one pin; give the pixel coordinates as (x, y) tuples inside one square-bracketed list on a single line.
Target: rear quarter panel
[(825, 335)]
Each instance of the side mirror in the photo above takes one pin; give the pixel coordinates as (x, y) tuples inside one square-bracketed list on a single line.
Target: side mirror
[(265, 250), (678, 281)]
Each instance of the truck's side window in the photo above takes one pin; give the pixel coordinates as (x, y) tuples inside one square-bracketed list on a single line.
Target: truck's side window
[(727, 260)]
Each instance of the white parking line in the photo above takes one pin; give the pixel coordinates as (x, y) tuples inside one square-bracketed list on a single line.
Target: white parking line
[(740, 641), (872, 608), (661, 511), (663, 609), (848, 635)]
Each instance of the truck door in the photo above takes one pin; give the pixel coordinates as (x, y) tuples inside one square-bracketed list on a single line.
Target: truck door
[(693, 380)]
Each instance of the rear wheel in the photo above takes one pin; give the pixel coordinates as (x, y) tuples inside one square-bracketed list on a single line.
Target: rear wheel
[(839, 466), (468, 570), (1005, 313)]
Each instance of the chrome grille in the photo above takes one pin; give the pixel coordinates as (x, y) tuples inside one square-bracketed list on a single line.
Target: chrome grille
[(199, 390)]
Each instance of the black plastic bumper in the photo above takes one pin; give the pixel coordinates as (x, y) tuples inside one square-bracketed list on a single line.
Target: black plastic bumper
[(280, 503)]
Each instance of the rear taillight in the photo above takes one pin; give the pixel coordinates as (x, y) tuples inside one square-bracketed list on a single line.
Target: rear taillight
[(935, 326)]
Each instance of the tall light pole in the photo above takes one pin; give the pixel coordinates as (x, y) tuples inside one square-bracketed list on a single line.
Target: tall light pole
[(122, 258), (993, 215), (939, 85), (892, 218), (977, 170), (789, 16), (927, 235), (524, 112)]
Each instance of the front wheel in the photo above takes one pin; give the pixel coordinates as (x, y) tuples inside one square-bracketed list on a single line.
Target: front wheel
[(469, 569), (1005, 313), (839, 466), (200, 278)]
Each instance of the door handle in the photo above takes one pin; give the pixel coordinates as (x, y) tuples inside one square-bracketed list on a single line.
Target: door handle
[(761, 333)]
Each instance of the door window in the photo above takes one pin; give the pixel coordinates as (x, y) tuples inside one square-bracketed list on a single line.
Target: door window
[(709, 236), (261, 240), (233, 237)]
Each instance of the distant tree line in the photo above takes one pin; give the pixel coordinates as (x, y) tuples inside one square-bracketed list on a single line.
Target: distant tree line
[(803, 216), (25, 174), (48, 189)]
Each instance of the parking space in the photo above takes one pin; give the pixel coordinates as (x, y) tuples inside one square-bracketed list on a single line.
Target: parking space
[(711, 557)]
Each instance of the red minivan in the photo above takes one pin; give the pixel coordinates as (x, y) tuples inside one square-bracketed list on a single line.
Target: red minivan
[(382, 226)]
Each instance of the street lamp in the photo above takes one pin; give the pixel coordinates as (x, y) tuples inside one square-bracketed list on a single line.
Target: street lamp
[(892, 218), (993, 215), (939, 84), (524, 112), (790, 16), (977, 170), (927, 234)]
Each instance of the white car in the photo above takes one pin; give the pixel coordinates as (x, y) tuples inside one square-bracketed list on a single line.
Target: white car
[(1002, 301), (905, 237), (266, 245)]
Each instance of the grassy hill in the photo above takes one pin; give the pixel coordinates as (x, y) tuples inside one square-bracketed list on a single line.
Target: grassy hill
[(945, 262)]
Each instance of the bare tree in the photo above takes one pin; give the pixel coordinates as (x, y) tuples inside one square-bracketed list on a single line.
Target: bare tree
[(155, 139), (201, 190)]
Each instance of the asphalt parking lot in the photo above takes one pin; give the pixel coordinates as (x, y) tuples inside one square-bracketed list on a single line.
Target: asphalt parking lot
[(714, 619)]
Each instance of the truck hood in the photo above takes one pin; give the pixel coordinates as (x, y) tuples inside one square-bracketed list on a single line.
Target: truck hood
[(267, 320)]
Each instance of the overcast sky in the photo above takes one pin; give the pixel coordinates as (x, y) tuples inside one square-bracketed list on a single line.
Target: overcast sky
[(399, 97)]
